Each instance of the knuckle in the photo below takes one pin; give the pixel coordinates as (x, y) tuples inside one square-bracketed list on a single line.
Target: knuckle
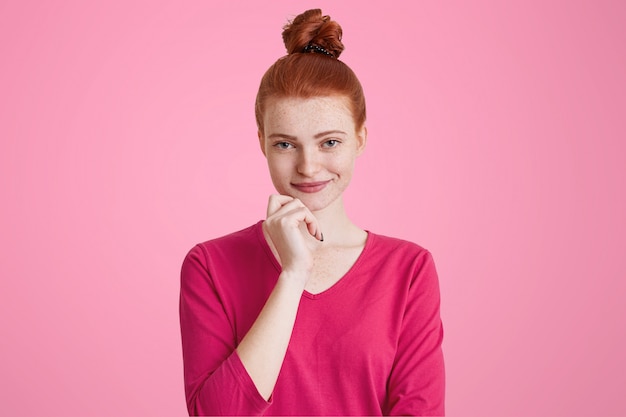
[(283, 220)]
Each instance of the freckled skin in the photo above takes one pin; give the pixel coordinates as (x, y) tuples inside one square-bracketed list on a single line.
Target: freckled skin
[(310, 159), (311, 141)]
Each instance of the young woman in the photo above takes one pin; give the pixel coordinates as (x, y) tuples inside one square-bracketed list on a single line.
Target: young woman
[(305, 313)]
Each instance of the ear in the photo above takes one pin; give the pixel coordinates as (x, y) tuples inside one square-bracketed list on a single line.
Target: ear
[(261, 141), (361, 139)]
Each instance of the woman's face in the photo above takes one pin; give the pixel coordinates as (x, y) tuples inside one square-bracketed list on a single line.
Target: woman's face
[(310, 146)]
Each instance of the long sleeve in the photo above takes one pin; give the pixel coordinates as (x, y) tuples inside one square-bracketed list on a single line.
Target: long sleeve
[(216, 382), (417, 383), (368, 345)]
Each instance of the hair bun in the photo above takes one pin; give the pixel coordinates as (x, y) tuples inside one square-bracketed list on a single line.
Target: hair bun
[(311, 28)]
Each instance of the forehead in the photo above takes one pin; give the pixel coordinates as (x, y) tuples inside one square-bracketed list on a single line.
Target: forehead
[(293, 115)]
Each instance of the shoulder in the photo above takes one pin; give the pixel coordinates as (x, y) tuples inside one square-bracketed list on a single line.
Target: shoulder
[(385, 253), (387, 245), (247, 236), (231, 246), (229, 264)]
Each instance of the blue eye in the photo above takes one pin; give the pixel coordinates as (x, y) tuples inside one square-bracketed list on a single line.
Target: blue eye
[(331, 143), (283, 145)]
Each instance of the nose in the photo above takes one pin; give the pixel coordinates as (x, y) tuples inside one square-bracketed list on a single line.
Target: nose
[(308, 162)]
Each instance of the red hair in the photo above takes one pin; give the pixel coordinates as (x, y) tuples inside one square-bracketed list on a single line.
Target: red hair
[(314, 73)]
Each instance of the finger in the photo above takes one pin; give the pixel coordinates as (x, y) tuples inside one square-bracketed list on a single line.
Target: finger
[(303, 214), (276, 201), (287, 206), (313, 225)]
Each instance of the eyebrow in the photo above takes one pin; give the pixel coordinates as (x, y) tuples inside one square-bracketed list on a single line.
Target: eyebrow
[(317, 136)]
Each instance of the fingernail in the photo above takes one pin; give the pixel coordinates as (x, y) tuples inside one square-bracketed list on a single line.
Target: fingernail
[(322, 238)]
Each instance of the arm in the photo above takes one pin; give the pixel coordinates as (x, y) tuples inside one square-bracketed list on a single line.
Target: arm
[(220, 377), (216, 382), (290, 227), (263, 349), (417, 381)]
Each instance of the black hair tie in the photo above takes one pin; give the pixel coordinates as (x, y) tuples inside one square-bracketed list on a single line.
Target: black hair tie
[(317, 49)]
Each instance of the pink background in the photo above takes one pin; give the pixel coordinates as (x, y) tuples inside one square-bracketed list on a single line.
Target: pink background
[(496, 140)]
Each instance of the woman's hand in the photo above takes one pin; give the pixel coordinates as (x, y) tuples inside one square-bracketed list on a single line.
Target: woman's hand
[(291, 230), (294, 232)]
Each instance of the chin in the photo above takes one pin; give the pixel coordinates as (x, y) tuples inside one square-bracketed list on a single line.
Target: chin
[(315, 207), (313, 202)]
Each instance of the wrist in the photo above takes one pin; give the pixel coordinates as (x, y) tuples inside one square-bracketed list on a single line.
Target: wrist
[(294, 278)]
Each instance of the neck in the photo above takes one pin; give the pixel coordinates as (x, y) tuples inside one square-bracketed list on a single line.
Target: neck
[(335, 224)]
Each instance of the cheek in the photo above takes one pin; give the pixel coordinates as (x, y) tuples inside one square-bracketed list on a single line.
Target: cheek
[(278, 166), (345, 164)]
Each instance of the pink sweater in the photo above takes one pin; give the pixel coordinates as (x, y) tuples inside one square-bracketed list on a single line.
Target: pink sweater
[(369, 345)]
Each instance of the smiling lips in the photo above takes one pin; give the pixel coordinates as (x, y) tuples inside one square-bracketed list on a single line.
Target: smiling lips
[(310, 187)]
